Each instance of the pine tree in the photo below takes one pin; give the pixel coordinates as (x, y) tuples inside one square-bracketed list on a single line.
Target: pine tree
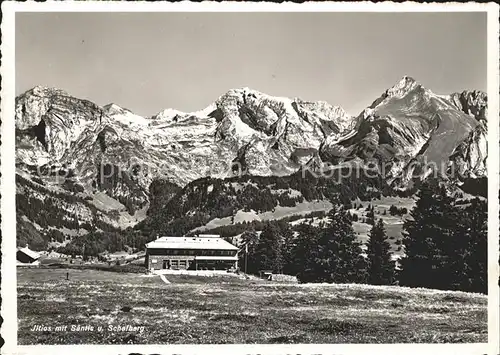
[(446, 219), (288, 243), (381, 268), (268, 251), (470, 249), (370, 216), (339, 254), (251, 239), (428, 239), (305, 253)]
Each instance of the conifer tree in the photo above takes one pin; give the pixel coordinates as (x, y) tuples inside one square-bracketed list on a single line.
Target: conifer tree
[(268, 251), (339, 254), (428, 239), (370, 216), (305, 253), (288, 243), (250, 239), (381, 268), (470, 250)]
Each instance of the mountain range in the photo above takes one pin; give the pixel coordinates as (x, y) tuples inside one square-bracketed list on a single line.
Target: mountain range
[(82, 166)]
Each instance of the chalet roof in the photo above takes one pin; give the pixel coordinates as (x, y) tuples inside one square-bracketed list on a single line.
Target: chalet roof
[(202, 241), (219, 257), (27, 251)]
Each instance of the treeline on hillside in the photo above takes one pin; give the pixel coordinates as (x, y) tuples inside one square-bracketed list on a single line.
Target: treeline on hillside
[(161, 191), (445, 246), (49, 212), (95, 243), (208, 198), (232, 230), (27, 234), (120, 185)]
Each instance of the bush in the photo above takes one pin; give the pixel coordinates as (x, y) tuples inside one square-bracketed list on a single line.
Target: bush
[(395, 211)]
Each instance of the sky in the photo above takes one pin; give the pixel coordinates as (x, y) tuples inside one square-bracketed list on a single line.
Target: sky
[(148, 62)]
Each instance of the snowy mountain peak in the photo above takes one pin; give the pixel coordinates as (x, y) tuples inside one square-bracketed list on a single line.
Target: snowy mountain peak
[(334, 112), (168, 114), (245, 90), (400, 90), (113, 109), (45, 91), (246, 94), (403, 87)]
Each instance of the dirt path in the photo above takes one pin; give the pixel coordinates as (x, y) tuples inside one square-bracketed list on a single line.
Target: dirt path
[(164, 279)]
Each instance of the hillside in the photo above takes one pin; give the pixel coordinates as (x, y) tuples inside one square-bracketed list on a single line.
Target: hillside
[(206, 199)]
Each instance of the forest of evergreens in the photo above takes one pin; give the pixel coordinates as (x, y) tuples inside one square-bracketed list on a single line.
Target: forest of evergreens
[(444, 238), (445, 246)]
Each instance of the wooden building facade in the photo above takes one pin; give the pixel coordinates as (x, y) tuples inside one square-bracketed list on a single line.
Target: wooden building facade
[(199, 252)]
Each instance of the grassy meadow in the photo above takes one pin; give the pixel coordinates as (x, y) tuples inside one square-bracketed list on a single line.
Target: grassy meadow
[(196, 309)]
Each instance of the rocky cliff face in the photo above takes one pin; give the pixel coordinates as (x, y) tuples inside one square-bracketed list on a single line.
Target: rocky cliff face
[(108, 156), (469, 158), (53, 127), (57, 129), (473, 103), (410, 132)]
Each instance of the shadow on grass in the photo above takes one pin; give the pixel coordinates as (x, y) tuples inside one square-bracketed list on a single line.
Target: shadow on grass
[(287, 339), (334, 326), (233, 317)]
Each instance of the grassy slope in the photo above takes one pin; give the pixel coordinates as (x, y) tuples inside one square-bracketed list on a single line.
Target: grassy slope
[(393, 224), (301, 208), (230, 310)]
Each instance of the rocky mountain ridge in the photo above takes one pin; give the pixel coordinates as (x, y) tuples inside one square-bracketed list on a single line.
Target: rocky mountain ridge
[(108, 157), (409, 131), (242, 121)]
